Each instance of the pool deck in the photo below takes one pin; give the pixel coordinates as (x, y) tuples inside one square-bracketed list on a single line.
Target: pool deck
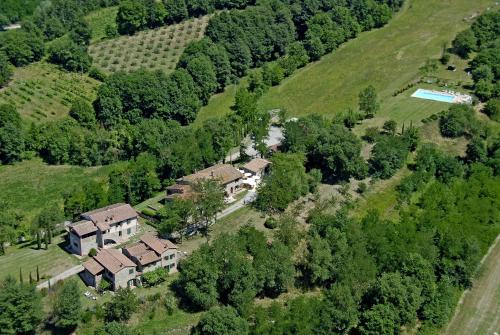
[(447, 96)]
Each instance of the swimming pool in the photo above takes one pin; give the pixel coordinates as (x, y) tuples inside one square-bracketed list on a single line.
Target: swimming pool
[(433, 95)]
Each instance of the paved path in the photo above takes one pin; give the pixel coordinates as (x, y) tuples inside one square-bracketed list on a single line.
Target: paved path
[(274, 136), (249, 197), (63, 275)]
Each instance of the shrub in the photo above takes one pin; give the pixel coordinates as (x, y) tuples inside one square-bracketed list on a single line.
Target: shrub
[(271, 223), (5, 69), (492, 109), (155, 277), (93, 252), (70, 56), (273, 74), (169, 303), (371, 134), (445, 58), (456, 121), (154, 297), (362, 187), (111, 31), (97, 74), (104, 285)]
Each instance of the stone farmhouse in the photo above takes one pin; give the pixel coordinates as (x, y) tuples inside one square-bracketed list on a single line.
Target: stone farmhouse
[(230, 178), (112, 265), (125, 268), (102, 227), (151, 253), (257, 167)]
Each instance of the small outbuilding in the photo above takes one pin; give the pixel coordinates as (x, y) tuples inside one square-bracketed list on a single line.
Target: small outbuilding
[(257, 167)]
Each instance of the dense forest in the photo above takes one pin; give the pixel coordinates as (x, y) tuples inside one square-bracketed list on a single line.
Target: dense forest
[(14, 10)]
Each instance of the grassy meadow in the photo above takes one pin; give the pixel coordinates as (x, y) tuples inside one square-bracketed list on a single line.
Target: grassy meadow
[(388, 58), (26, 257), (31, 185), (154, 49), (99, 19), (42, 92)]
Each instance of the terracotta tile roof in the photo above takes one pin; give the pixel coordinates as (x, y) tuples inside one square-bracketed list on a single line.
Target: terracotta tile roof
[(149, 249), (83, 227), (157, 244), (225, 172), (148, 258), (105, 216), (256, 165), (137, 249), (113, 260), (92, 266)]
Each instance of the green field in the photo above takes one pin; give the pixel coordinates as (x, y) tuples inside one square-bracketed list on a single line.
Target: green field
[(50, 262), (99, 19), (31, 185), (155, 49), (43, 92), (388, 58)]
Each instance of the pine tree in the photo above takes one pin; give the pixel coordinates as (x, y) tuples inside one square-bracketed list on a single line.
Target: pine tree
[(68, 305), (38, 240)]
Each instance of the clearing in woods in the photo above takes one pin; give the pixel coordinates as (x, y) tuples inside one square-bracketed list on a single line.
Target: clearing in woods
[(479, 312), (153, 49), (98, 21), (388, 58)]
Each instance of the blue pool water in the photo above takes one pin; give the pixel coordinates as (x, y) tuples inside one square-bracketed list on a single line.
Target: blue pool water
[(431, 95)]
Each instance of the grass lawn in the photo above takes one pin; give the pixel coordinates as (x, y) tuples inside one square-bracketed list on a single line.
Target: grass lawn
[(154, 49), (99, 19), (479, 312), (219, 104), (31, 185), (381, 196), (404, 109), (42, 92), (229, 225), (388, 58), (154, 202), (26, 256)]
